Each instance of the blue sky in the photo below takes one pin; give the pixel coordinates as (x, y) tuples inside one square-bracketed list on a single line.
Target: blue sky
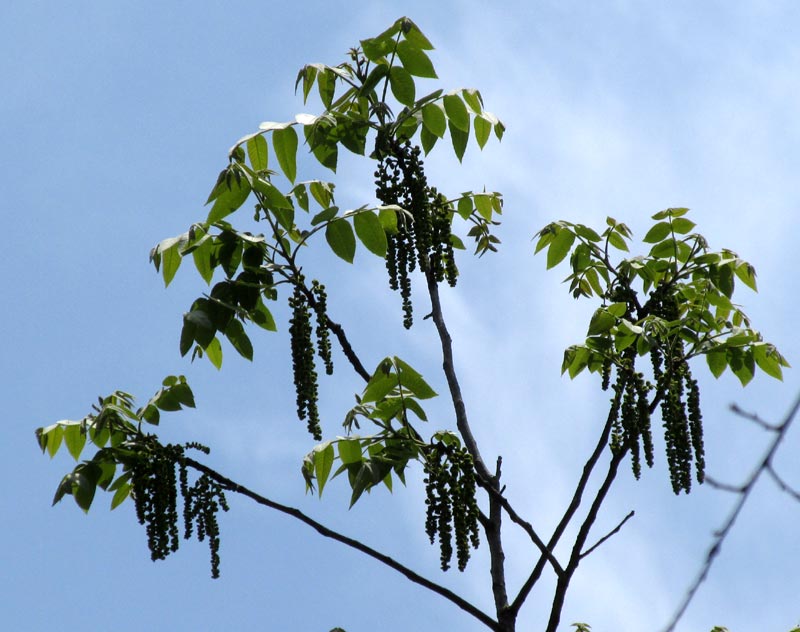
[(115, 121)]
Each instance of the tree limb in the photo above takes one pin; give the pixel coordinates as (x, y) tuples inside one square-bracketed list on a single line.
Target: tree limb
[(355, 544), (583, 533), (783, 485), (719, 537), (608, 535), (588, 467)]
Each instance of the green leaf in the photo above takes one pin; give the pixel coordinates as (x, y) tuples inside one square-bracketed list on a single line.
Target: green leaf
[(324, 215), (380, 384), (350, 451), (602, 321), (559, 247), (483, 202), (323, 461), (339, 235), (682, 226), (214, 352), (456, 112), (428, 139), (308, 74), (499, 130), (370, 232), (55, 434), (580, 360), (120, 495), (657, 233), (234, 332), (616, 240), (742, 363), (413, 381), (166, 256), (413, 34), (767, 358), (257, 150), (376, 47), (75, 439), (747, 274), (459, 139), (725, 280), (474, 99), (402, 84), (482, 130), (285, 144), (388, 219), (464, 206), (263, 317), (202, 258), (434, 120), (326, 85), (666, 249), (233, 194), (414, 60), (322, 192), (376, 74), (587, 233)]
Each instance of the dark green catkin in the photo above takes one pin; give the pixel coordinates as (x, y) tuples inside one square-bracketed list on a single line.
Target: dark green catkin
[(323, 337), (154, 490), (201, 504), (303, 367), (423, 233), (451, 508)]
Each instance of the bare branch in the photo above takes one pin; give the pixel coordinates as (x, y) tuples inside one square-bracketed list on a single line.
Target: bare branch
[(785, 487), (721, 534), (355, 544), (347, 348), (754, 418), (725, 487), (546, 552), (452, 381), (608, 535), (583, 533), (575, 503)]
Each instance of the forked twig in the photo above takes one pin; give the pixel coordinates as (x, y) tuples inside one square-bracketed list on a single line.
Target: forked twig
[(719, 537)]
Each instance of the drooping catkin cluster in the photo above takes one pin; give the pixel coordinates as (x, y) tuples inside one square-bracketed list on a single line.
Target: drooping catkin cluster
[(423, 233), (155, 490), (155, 493), (323, 337), (201, 503), (680, 405), (451, 506), (630, 413), (303, 366)]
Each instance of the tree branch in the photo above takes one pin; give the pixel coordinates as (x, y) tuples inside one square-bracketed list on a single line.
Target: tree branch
[(580, 540), (588, 467), (492, 527), (347, 348), (719, 537), (448, 366), (616, 529), (355, 544), (755, 419), (784, 486)]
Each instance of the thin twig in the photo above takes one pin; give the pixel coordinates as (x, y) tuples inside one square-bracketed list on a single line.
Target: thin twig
[(725, 487), (784, 486), (721, 534), (754, 418), (575, 503), (608, 535), (355, 544), (583, 533)]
